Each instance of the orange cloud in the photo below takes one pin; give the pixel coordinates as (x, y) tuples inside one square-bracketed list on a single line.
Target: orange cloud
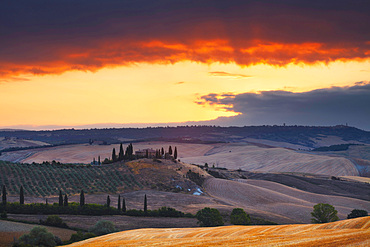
[(92, 35), (117, 53)]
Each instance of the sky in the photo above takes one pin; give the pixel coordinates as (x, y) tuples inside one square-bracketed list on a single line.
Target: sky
[(149, 63)]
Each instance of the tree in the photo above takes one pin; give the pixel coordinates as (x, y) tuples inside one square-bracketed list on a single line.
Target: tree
[(323, 213), (124, 205), (65, 200), (239, 217), (99, 160), (121, 152), (38, 236), (103, 227), (82, 198), (4, 195), (175, 153), (54, 220), (108, 201), (162, 151), (170, 150), (209, 217), (355, 213), (21, 196), (119, 203), (114, 157), (145, 204), (60, 198)]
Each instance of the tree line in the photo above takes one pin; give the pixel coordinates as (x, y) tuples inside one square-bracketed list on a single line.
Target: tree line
[(129, 155), (63, 206)]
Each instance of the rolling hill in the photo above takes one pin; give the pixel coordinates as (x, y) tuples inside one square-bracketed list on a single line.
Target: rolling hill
[(252, 158), (354, 232), (277, 202)]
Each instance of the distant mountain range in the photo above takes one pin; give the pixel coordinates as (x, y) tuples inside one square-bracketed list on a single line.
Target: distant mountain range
[(305, 136)]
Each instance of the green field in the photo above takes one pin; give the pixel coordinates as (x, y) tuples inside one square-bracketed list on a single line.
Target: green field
[(48, 178)]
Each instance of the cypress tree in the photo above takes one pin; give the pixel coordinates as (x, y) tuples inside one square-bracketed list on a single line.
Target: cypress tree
[(175, 153), (131, 149), (99, 160), (46, 201), (94, 161), (119, 203), (82, 198), (108, 201), (170, 150), (21, 196), (60, 198), (162, 151), (114, 157), (65, 200), (123, 205), (4, 195), (145, 204), (121, 153), (147, 154)]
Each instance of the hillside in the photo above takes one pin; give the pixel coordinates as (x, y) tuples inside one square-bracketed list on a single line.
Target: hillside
[(354, 232), (47, 179), (10, 230), (301, 136), (252, 158), (277, 202), (244, 156)]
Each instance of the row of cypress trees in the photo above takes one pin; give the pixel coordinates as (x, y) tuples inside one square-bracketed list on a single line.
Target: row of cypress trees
[(21, 196), (63, 201)]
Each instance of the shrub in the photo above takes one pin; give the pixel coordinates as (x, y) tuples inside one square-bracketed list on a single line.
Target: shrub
[(4, 215), (103, 227), (209, 217), (79, 236), (38, 236), (355, 213), (54, 220), (239, 217), (323, 213)]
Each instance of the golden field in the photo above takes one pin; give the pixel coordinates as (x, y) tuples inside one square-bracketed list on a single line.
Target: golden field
[(354, 232), (229, 155)]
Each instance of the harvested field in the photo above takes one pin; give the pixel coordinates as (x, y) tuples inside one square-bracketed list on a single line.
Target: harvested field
[(84, 153), (121, 222), (231, 156), (277, 202), (354, 232), (10, 230), (357, 179), (318, 184), (252, 158), (354, 151), (12, 142)]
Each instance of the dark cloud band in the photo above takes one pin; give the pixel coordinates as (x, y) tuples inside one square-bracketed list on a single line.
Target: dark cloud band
[(42, 37), (329, 106)]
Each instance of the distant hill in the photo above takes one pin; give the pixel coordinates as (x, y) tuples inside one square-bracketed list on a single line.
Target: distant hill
[(301, 136)]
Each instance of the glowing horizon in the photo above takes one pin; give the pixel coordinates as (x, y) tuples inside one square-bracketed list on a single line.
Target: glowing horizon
[(129, 63)]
